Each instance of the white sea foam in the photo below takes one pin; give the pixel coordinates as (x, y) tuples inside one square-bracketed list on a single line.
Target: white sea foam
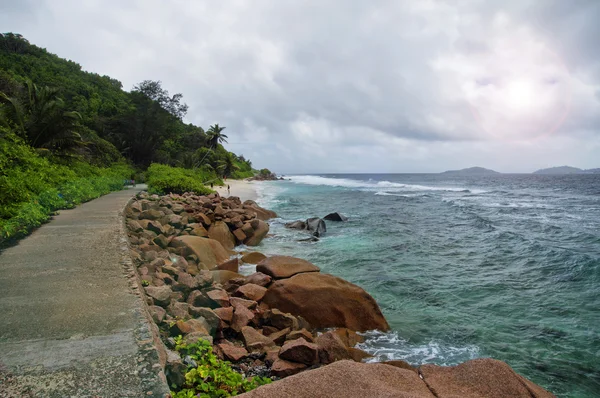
[(390, 346), (374, 185), (268, 194)]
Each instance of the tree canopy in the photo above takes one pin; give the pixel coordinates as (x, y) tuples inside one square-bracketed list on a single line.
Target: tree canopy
[(52, 103)]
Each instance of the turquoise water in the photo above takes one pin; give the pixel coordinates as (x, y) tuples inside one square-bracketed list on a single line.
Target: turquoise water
[(505, 266)]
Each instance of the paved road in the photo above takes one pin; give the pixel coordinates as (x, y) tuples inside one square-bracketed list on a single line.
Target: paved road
[(71, 324)]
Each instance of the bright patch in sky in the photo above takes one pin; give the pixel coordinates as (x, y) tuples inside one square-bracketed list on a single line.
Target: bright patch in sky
[(520, 94)]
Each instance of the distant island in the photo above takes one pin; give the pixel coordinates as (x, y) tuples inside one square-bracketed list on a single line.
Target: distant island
[(566, 170), (471, 171)]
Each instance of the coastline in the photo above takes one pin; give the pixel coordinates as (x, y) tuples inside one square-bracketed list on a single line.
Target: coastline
[(262, 322), (245, 190)]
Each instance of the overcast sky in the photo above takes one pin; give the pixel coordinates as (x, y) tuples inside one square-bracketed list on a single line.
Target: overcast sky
[(354, 86)]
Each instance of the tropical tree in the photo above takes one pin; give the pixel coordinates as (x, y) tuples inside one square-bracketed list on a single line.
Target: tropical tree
[(226, 166), (40, 118), (215, 136)]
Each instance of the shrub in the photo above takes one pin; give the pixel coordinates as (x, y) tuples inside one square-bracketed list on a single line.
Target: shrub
[(164, 179), (32, 187), (212, 377)]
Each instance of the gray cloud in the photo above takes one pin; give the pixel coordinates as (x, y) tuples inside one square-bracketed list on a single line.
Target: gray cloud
[(351, 85)]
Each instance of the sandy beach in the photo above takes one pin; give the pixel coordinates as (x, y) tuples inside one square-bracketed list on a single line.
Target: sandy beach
[(245, 190)]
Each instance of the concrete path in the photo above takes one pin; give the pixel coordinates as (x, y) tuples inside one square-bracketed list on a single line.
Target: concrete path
[(71, 322)]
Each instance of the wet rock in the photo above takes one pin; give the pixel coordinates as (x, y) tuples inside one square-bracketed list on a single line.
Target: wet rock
[(253, 257), (316, 226), (280, 267), (260, 230), (335, 217), (301, 225)]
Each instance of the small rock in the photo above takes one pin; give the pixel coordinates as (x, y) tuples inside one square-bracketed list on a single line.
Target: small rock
[(209, 316), (281, 320), (258, 278), (300, 351), (157, 313), (331, 348), (236, 301), (219, 296), (254, 340), (283, 368), (178, 310), (241, 317), (302, 333), (160, 294), (229, 265), (279, 336), (251, 291), (199, 299), (224, 313), (232, 352)]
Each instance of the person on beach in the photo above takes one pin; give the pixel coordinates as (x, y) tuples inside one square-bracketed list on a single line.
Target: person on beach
[(211, 185), (228, 189)]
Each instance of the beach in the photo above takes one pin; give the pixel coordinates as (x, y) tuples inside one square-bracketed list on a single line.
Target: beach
[(245, 190)]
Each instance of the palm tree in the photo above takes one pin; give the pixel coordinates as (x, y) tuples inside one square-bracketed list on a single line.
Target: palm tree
[(227, 165), (41, 120), (215, 136)]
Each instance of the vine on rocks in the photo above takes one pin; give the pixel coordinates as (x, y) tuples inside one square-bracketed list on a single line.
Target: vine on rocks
[(211, 377)]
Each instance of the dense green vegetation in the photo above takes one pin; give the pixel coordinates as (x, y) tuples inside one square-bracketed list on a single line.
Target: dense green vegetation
[(67, 136), (145, 125), (162, 179), (32, 187), (212, 377)]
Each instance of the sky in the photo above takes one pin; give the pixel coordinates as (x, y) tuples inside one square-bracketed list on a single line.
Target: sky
[(319, 86)]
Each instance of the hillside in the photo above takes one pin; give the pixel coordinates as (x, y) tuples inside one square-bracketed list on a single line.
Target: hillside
[(471, 171), (560, 170), (144, 125), (68, 136)]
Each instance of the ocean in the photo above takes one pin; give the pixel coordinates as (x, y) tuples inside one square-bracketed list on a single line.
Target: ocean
[(503, 266)]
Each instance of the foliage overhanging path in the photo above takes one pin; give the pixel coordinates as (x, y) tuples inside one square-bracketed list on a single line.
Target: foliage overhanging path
[(67, 307)]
